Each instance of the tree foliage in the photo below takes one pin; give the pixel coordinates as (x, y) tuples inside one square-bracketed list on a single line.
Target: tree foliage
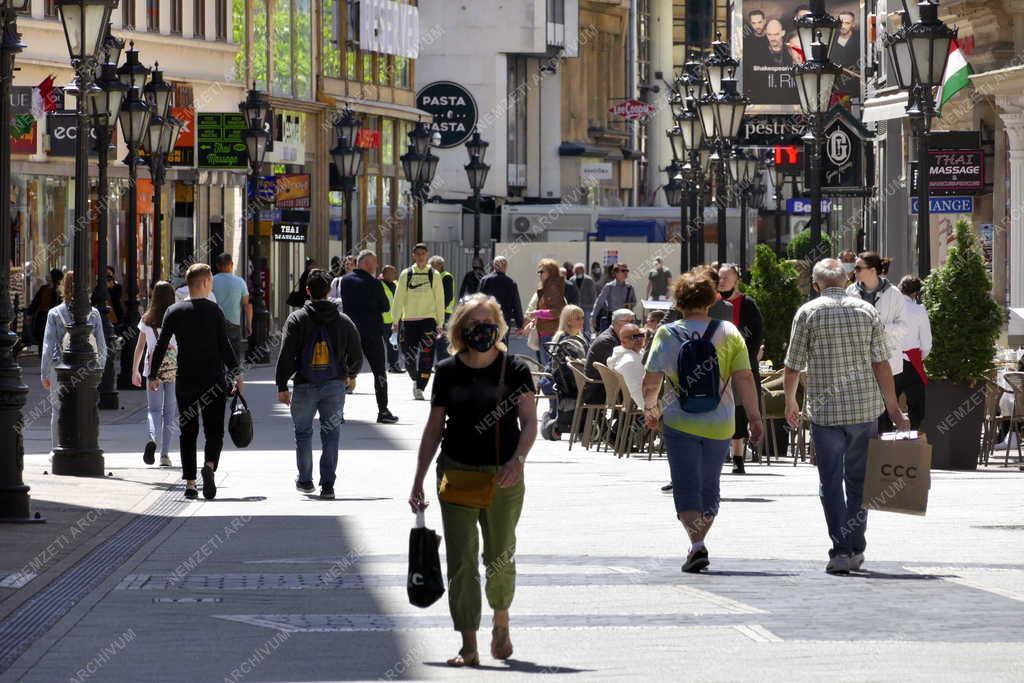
[(799, 247), (773, 285), (965, 319)]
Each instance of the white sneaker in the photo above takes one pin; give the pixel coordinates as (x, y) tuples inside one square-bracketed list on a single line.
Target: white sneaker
[(838, 564), (417, 393), (856, 560), (165, 461)]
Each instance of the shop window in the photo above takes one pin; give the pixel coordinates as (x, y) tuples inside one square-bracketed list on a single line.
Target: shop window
[(352, 64), (153, 16), (401, 71), (330, 58), (518, 86), (221, 16), (257, 52), (367, 67), (199, 18), (176, 14), (128, 14), (302, 49), (281, 48), (387, 142), (383, 69)]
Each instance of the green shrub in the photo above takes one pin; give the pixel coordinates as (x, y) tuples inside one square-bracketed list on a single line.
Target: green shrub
[(965, 319), (799, 247), (773, 285)]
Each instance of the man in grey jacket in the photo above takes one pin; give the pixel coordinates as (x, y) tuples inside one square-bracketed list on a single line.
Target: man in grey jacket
[(615, 295), (587, 293)]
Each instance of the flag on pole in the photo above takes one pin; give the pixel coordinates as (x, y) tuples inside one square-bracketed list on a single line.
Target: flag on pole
[(43, 98), (956, 77)]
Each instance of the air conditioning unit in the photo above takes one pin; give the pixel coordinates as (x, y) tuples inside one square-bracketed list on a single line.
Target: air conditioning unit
[(545, 222)]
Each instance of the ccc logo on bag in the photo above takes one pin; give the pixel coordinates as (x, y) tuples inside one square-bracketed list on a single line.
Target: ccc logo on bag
[(899, 471), (416, 579)]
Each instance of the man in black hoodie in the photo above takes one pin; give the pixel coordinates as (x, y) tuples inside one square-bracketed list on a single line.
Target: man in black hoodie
[(364, 301), (321, 349)]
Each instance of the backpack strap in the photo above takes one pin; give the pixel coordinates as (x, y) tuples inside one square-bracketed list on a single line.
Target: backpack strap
[(712, 328)]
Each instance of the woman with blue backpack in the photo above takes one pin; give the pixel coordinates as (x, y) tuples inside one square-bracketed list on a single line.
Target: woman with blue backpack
[(703, 363)]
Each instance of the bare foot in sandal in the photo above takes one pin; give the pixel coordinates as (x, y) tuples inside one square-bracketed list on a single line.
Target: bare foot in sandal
[(465, 659), (501, 642)]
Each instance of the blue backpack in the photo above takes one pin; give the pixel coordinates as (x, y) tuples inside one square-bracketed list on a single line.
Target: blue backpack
[(319, 362), (700, 388)]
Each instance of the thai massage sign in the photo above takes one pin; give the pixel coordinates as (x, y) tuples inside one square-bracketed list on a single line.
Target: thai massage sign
[(953, 170), (220, 142), (454, 109)]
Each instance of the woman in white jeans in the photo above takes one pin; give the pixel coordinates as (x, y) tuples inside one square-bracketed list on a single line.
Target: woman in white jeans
[(162, 404)]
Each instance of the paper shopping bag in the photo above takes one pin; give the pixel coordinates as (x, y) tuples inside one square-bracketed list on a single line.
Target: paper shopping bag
[(898, 473)]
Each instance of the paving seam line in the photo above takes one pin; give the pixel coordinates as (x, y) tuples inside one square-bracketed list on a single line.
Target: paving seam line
[(42, 611)]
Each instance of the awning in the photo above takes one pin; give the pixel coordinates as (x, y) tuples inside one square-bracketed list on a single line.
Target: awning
[(885, 107)]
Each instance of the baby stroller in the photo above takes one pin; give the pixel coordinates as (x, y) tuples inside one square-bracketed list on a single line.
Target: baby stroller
[(559, 419)]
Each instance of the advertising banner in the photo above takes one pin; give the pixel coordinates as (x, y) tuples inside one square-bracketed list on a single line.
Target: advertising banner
[(771, 47)]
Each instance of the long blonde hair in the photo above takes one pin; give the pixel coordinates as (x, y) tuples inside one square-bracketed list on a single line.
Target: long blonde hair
[(569, 313), (457, 321)]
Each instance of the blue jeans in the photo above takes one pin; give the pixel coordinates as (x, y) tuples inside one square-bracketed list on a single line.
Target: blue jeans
[(327, 399), (162, 411), (842, 455), (696, 466)]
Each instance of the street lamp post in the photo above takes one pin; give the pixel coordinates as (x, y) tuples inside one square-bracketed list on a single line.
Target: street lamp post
[(691, 89), (134, 120), (104, 105), (348, 161), (778, 175), (675, 196), (78, 452), (476, 172), (743, 169), (161, 134), (918, 53), (14, 498), (419, 165), (815, 78), (256, 110)]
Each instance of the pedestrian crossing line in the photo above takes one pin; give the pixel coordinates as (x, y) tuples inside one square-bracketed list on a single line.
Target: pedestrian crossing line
[(727, 605), (363, 623)]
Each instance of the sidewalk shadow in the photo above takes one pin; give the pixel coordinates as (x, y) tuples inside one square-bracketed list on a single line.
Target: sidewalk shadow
[(518, 666), (910, 576)]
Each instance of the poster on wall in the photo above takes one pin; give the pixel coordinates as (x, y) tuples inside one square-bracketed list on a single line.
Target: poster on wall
[(771, 48)]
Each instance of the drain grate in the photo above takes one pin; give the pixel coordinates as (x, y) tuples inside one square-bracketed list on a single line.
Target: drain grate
[(46, 608)]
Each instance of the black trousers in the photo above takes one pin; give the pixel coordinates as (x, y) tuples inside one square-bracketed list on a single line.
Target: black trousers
[(373, 352), (908, 383), (193, 402), (416, 339)]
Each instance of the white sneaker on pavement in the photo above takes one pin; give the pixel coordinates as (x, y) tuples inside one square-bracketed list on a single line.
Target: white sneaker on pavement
[(856, 560), (838, 564), (165, 461), (417, 393)]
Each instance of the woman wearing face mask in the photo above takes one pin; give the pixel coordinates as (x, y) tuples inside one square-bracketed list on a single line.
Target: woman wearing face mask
[(480, 385), (746, 316), (872, 287)]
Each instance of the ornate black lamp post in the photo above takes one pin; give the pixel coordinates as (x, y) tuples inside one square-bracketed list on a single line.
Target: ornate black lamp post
[(745, 175), (691, 88), (918, 53), (419, 165), (476, 172), (14, 498), (348, 161), (78, 452), (256, 110), (675, 192), (134, 120), (161, 134), (104, 105)]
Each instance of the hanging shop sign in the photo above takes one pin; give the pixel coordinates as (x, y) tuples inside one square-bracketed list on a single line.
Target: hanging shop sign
[(801, 206), (945, 204), (368, 139), (219, 141), (289, 232), (287, 225), (389, 27), (62, 134), (287, 138), (454, 111), (184, 152), (952, 171), (292, 191), (634, 110), (23, 121), (768, 131), (843, 152)]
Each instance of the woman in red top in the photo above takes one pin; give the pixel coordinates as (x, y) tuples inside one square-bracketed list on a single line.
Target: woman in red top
[(546, 305)]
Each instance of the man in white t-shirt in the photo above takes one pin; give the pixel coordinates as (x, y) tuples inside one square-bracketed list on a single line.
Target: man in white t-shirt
[(627, 359)]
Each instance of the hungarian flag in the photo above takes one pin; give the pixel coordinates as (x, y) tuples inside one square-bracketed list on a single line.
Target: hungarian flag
[(956, 76), (43, 98)]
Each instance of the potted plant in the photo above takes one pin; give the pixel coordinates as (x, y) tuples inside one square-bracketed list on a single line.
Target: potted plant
[(965, 322), (773, 285)]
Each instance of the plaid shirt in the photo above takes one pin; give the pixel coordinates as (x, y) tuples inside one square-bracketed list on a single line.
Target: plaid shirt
[(836, 338)]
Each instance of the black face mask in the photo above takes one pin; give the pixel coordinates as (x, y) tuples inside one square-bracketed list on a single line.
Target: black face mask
[(480, 336), (727, 293)]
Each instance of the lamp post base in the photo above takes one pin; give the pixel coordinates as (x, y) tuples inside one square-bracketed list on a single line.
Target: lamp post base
[(14, 498), (78, 453)]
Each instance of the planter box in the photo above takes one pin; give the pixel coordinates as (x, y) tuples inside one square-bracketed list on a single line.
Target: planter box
[(953, 417)]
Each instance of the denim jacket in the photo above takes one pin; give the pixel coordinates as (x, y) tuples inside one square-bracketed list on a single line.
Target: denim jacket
[(53, 337)]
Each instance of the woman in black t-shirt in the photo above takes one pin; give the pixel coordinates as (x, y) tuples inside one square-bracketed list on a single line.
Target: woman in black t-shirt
[(484, 417)]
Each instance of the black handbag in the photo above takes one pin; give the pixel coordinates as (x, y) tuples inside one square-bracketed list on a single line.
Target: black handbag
[(425, 583), (240, 422), (296, 299)]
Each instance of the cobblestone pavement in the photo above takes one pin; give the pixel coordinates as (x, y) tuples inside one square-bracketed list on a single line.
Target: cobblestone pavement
[(267, 584)]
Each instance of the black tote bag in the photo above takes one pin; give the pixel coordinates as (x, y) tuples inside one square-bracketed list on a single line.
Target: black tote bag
[(425, 583)]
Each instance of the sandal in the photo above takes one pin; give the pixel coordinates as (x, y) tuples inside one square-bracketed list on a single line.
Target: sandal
[(501, 643), (465, 659)]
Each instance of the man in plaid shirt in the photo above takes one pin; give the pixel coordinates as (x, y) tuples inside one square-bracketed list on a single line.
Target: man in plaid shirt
[(840, 342)]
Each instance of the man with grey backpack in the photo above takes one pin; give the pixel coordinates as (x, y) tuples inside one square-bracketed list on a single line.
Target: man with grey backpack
[(321, 350)]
